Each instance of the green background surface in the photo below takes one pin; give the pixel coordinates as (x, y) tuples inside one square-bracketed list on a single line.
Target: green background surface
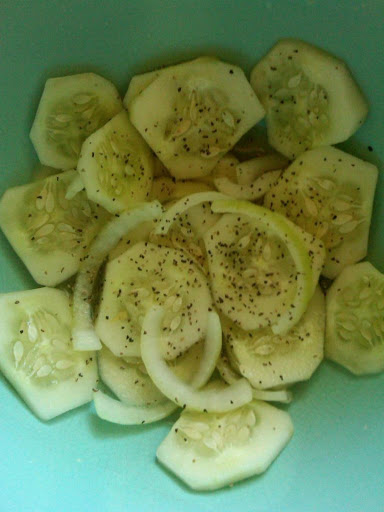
[(335, 462)]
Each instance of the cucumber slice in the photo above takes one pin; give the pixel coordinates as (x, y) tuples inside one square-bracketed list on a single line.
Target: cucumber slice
[(145, 275), (260, 269), (70, 109), (112, 410), (140, 82), (194, 113), (310, 97), (269, 360), (167, 189), (355, 319), (138, 234), (40, 172), (36, 354), (210, 451), (214, 398), (137, 85), (329, 193), (248, 171), (116, 165), (50, 233)]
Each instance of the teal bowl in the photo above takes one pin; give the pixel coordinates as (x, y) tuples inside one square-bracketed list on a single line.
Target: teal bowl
[(335, 461)]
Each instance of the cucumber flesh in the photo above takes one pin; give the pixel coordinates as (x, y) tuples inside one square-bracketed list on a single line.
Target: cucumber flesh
[(36, 354), (310, 97), (70, 109), (50, 234), (194, 113), (209, 451), (116, 165), (146, 275), (167, 189), (248, 171), (329, 194), (355, 325), (268, 360)]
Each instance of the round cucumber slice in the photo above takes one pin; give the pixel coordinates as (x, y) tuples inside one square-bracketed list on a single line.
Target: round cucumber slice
[(36, 354), (330, 194), (355, 319), (70, 109), (194, 113), (260, 268), (210, 451), (51, 234), (146, 275), (310, 97), (116, 165), (270, 360)]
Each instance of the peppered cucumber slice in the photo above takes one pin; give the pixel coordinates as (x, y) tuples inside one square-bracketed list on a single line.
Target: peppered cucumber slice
[(146, 275), (71, 108), (36, 353), (269, 360), (194, 113), (50, 233), (260, 268), (329, 194), (355, 319), (310, 97), (208, 451), (116, 165)]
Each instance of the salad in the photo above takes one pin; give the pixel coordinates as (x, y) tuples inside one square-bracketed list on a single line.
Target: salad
[(188, 262)]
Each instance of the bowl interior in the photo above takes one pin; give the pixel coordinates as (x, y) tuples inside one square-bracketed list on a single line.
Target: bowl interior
[(334, 461)]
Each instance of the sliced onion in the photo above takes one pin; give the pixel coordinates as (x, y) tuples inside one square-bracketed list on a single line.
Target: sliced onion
[(230, 377), (83, 333), (251, 192), (278, 225), (76, 186), (182, 206), (184, 395), (112, 410), (248, 171), (211, 352)]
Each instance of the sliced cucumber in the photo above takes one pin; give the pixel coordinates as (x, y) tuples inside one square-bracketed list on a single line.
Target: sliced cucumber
[(71, 108), (40, 172), (116, 165), (50, 233), (192, 114), (146, 275), (137, 85), (355, 319), (310, 97), (260, 269), (36, 354), (209, 451), (112, 410), (248, 171), (139, 234), (167, 189), (329, 193), (269, 360)]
